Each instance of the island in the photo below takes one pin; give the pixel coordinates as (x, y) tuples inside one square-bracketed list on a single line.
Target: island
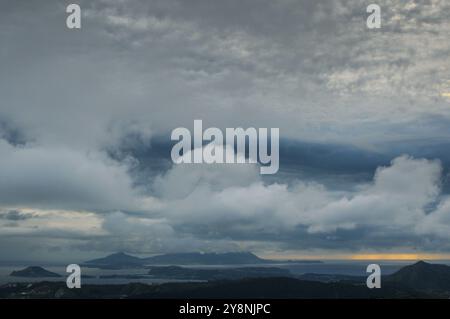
[(34, 272)]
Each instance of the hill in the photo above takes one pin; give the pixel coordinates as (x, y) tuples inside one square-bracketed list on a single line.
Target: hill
[(423, 276), (117, 260), (274, 288), (34, 271)]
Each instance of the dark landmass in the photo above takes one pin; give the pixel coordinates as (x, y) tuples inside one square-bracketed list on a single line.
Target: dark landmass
[(33, 272), (205, 259), (120, 276), (274, 288), (420, 280), (176, 272), (332, 278), (280, 288), (202, 274), (115, 261), (122, 260), (423, 276)]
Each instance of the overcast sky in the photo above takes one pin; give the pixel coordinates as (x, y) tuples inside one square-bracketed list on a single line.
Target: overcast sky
[(86, 116)]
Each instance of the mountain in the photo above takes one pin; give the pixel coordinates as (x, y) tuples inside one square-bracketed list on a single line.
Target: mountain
[(423, 276), (116, 260), (122, 260), (34, 271)]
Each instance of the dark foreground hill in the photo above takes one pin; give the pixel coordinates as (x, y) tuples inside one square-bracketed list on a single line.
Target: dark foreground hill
[(420, 276), (273, 288), (423, 276), (280, 288)]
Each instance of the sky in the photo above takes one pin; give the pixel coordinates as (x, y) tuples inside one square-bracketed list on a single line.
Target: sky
[(86, 117)]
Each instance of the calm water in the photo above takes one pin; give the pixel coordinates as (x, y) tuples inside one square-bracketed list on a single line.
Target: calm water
[(354, 268), (6, 270)]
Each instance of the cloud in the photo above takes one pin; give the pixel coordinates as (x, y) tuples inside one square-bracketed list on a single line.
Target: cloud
[(182, 179), (46, 177), (74, 104), (311, 68), (230, 209), (147, 236), (15, 215), (397, 199), (396, 203)]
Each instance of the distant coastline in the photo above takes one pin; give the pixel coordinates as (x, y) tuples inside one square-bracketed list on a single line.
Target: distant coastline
[(123, 260)]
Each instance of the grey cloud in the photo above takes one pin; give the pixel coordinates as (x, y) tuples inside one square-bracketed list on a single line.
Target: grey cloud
[(11, 134), (346, 99), (288, 64), (388, 213), (392, 206), (149, 236), (63, 178), (15, 215)]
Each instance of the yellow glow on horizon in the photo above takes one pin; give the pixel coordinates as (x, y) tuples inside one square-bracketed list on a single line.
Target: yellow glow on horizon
[(445, 94), (361, 256), (400, 256)]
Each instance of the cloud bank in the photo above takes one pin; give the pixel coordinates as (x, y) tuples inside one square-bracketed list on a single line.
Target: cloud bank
[(81, 174)]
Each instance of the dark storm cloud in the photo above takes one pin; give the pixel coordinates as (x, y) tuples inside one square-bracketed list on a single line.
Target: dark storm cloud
[(335, 165), (11, 134)]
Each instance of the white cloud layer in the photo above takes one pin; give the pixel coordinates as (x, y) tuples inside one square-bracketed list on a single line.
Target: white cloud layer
[(395, 201)]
